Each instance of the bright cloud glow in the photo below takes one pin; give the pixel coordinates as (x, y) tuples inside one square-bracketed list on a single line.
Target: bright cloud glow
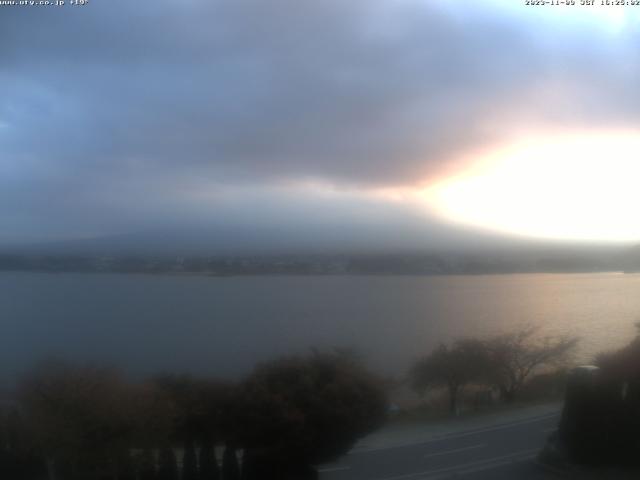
[(610, 18), (574, 187)]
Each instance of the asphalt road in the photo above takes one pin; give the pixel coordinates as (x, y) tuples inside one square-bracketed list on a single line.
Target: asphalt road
[(496, 452)]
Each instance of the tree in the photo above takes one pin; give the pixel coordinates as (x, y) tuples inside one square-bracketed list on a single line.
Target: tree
[(622, 365), (209, 469), (167, 465), (189, 462), (155, 416), (299, 411), (453, 367), (18, 458), (146, 465), (601, 415), (514, 357), (619, 407), (126, 467), (230, 467), (199, 406), (79, 417)]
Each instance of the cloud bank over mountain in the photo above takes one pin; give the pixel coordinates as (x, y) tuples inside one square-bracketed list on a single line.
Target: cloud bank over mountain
[(124, 116)]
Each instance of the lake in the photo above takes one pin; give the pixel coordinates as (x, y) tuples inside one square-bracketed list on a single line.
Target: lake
[(223, 326)]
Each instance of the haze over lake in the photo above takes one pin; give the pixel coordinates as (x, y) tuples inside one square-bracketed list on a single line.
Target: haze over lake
[(222, 326)]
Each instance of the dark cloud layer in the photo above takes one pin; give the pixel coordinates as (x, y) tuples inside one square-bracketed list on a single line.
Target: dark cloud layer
[(121, 115)]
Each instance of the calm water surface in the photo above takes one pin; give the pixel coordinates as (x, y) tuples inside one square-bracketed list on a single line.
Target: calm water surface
[(222, 326)]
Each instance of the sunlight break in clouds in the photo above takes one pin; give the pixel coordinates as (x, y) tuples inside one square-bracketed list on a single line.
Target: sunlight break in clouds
[(566, 187), (612, 19)]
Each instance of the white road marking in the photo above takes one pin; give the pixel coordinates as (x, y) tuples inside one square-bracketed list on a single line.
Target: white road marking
[(508, 461), (447, 452), (452, 436), (333, 469), (469, 467)]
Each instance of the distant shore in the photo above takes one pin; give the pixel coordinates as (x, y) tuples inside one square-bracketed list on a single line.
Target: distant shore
[(228, 266)]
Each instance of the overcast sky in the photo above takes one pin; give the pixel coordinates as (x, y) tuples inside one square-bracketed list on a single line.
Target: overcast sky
[(326, 115)]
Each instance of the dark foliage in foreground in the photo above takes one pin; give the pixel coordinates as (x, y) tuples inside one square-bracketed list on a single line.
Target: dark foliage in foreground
[(302, 411), (601, 424), (79, 423), (230, 467), (209, 469), (189, 462), (167, 465)]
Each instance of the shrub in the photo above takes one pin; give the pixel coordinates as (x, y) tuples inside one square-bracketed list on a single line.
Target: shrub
[(309, 410)]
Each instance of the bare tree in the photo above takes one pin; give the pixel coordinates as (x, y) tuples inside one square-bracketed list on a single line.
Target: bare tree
[(514, 357), (464, 362)]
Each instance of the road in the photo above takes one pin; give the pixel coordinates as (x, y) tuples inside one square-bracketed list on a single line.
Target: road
[(498, 451)]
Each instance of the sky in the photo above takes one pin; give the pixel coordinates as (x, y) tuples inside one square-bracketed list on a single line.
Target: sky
[(415, 123)]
